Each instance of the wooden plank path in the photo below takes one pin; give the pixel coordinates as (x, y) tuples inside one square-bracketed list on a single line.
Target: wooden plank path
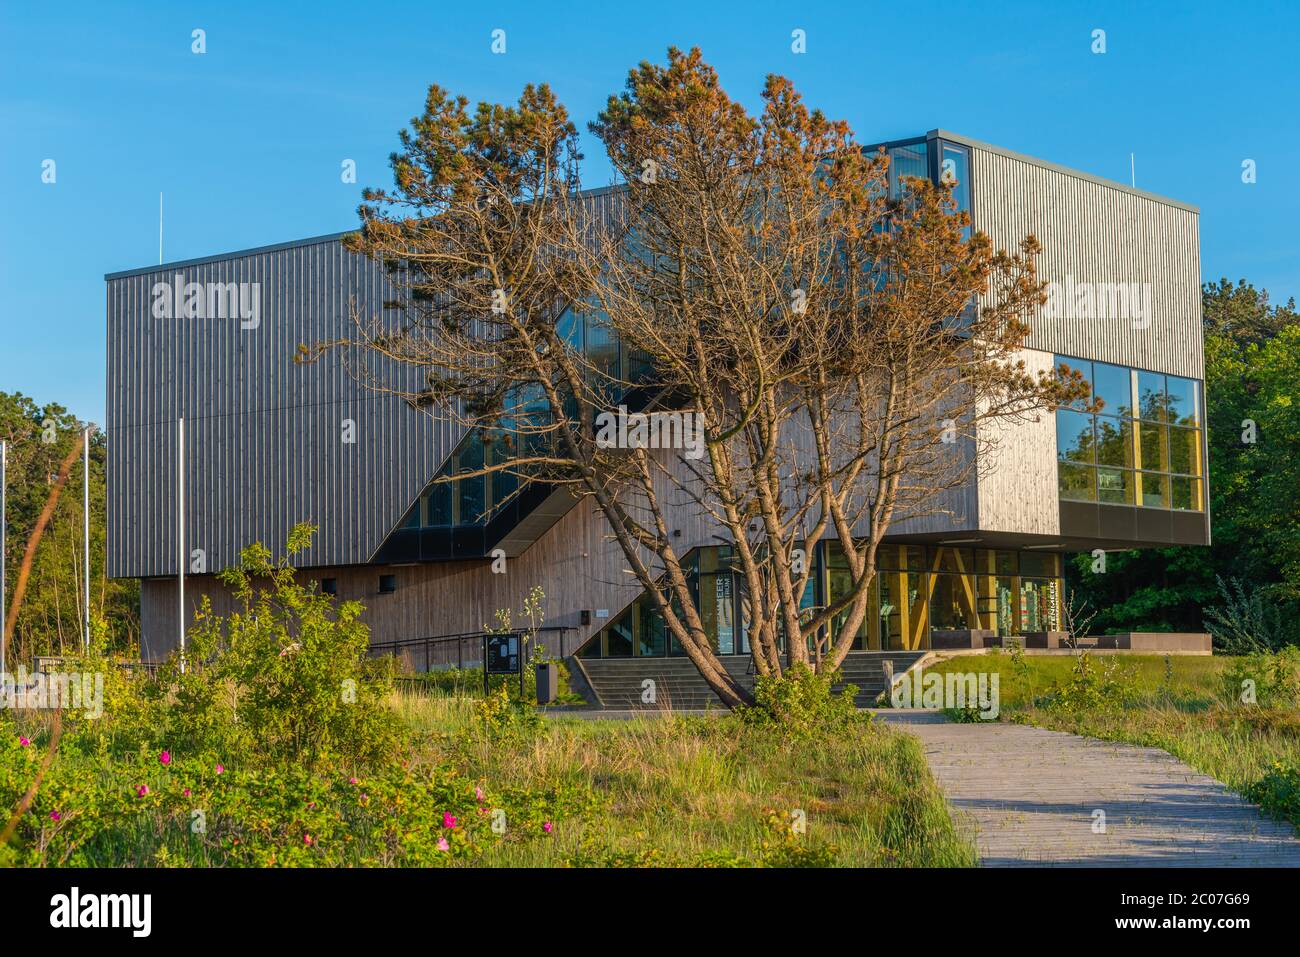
[(1027, 796)]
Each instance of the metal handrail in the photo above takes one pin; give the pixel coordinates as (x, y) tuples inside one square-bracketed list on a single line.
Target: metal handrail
[(398, 645)]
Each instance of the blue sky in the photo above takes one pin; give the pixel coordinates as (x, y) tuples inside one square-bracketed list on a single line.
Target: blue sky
[(246, 140)]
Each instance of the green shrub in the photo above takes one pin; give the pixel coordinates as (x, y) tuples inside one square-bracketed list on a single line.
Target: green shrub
[(506, 715), (1252, 622), (1278, 792), (286, 677), (1093, 687), (1274, 678), (800, 702), (189, 811)]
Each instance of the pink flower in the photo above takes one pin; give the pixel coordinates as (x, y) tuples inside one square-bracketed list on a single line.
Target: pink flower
[(547, 827), (56, 816), (141, 790), (23, 742), (443, 845), (187, 792), (221, 769), (306, 839), (482, 810), (448, 819), (353, 781), (165, 758), (478, 793)]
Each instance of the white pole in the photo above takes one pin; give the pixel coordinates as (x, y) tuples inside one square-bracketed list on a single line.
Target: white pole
[(160, 221), (180, 531), (4, 608), (85, 518), (1132, 171)]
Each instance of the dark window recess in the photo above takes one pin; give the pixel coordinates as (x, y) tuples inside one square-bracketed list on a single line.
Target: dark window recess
[(329, 586), (387, 584)]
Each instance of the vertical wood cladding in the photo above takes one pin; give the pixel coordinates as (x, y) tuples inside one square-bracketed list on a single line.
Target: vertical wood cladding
[(1099, 234), (263, 435)]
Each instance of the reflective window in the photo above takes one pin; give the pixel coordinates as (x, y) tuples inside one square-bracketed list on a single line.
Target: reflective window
[(1112, 385), (1114, 441), (904, 161), (1151, 456), (1151, 396), (1115, 486), (1074, 439), (1182, 401)]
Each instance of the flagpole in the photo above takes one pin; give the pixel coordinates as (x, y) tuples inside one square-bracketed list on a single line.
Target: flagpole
[(180, 533), (85, 517)]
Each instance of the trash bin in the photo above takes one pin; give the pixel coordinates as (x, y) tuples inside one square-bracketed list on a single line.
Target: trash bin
[(548, 682)]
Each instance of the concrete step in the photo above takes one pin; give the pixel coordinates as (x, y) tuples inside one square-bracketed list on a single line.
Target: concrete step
[(619, 681)]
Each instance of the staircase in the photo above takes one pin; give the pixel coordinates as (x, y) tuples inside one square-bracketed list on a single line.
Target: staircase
[(618, 683)]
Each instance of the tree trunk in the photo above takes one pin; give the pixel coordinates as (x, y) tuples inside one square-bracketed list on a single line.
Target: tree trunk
[(25, 569)]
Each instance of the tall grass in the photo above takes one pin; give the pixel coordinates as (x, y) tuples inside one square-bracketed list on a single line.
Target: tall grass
[(705, 789)]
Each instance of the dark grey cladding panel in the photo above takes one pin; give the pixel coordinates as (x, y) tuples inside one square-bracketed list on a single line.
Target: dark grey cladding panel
[(264, 436)]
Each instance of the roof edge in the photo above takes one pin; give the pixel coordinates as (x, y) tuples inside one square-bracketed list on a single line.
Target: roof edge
[(1058, 168), (219, 257)]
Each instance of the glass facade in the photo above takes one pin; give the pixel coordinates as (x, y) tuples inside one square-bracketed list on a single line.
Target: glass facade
[(918, 590), (1142, 446), (472, 501), (939, 161)]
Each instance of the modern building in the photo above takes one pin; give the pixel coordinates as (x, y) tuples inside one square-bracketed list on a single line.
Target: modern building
[(269, 442)]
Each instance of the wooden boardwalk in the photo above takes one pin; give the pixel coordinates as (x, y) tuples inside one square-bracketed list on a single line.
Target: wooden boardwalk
[(1029, 798)]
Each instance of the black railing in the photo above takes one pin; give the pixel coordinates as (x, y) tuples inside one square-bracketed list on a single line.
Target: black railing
[(447, 650)]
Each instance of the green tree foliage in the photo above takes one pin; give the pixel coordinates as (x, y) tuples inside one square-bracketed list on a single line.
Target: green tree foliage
[(50, 621), (1252, 387)]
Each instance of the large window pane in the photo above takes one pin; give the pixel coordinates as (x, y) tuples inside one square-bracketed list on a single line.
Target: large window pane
[(1114, 441), (907, 161), (960, 560), (603, 352), (1154, 440), (1185, 451), (1186, 493), (1074, 441), (952, 606), (413, 518), (652, 635), (1155, 490), (470, 491), (1152, 401), (1115, 486), (1006, 606), (1112, 385), (438, 504), (1077, 482), (1037, 605), (1081, 366), (1039, 564), (1182, 401), (569, 328), (618, 637), (954, 166)]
